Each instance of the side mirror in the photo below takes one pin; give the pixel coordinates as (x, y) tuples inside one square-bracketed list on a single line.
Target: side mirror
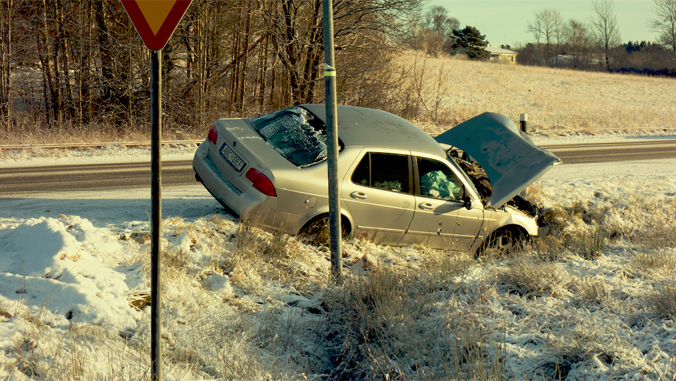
[(467, 203)]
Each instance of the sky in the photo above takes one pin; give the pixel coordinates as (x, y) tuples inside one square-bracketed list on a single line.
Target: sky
[(506, 21)]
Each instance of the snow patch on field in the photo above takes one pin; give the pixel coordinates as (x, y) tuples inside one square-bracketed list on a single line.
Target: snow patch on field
[(63, 267)]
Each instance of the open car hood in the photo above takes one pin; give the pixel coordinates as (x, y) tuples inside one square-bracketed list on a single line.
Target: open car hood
[(510, 159)]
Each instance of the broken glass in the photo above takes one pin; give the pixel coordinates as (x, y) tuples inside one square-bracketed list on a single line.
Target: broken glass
[(295, 133)]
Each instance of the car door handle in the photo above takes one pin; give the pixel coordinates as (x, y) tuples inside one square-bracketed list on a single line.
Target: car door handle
[(358, 195), (426, 206)]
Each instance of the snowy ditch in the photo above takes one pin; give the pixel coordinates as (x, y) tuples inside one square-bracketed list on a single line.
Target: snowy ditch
[(242, 304)]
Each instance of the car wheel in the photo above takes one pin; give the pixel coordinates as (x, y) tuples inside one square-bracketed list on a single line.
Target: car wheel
[(502, 243), (317, 232)]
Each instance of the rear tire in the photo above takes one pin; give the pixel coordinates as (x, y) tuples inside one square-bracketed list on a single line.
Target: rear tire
[(317, 231)]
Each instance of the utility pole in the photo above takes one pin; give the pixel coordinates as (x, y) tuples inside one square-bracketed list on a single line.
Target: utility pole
[(332, 144)]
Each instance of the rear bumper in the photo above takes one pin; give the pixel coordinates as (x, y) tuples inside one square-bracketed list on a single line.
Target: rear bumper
[(250, 205)]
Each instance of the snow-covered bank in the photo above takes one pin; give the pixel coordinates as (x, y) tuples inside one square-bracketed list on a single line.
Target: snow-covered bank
[(76, 271), (95, 155)]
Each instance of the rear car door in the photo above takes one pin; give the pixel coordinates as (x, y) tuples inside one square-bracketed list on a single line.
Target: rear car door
[(441, 220), (378, 193)]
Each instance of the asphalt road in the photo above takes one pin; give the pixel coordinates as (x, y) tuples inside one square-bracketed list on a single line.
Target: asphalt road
[(613, 152), (18, 181)]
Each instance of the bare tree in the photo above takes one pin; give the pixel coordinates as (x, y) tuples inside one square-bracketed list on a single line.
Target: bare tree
[(604, 23), (439, 22), (82, 61), (578, 41), (6, 10), (438, 29), (548, 28), (665, 22)]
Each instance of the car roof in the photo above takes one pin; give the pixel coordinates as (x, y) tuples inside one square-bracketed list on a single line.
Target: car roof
[(359, 127)]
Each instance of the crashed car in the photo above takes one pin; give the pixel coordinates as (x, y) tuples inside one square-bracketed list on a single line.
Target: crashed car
[(399, 185)]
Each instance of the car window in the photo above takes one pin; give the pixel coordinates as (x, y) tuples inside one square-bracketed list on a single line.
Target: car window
[(384, 171), (438, 181), (297, 134)]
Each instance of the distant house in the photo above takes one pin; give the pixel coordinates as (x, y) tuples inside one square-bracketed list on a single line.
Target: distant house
[(498, 54)]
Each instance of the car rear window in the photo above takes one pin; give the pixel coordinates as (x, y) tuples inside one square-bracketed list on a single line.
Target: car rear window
[(295, 133)]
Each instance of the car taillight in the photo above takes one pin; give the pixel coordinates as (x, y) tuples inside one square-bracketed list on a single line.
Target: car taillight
[(213, 134), (261, 182)]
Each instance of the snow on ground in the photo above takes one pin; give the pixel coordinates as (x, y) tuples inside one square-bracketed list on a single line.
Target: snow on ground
[(107, 154), (78, 262)]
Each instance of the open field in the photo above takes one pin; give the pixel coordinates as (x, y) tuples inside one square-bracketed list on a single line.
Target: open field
[(454, 90)]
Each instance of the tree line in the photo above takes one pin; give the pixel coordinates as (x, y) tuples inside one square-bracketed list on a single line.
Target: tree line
[(593, 44), (596, 44), (80, 62)]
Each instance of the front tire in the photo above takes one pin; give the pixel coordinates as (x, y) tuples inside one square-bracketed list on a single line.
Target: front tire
[(502, 243)]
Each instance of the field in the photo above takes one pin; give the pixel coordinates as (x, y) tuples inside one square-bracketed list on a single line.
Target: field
[(556, 101), (593, 298)]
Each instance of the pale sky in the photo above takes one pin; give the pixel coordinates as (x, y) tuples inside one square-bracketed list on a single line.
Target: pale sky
[(506, 20)]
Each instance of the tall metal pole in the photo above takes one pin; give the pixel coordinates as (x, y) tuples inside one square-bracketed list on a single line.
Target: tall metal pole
[(332, 143), (156, 220)]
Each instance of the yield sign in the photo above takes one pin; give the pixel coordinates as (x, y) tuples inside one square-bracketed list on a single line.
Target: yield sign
[(155, 20)]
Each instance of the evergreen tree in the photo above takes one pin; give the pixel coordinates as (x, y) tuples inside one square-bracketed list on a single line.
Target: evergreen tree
[(472, 41)]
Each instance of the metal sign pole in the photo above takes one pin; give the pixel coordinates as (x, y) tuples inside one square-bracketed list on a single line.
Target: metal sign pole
[(332, 143), (155, 22), (156, 220)]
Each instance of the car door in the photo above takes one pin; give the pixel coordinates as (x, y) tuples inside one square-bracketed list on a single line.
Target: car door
[(378, 193), (441, 219)]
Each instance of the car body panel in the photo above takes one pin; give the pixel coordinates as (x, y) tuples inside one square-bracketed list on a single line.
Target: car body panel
[(382, 216), (510, 161), (359, 127), (441, 223)]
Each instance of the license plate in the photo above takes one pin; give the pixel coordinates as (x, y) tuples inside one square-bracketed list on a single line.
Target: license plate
[(231, 157)]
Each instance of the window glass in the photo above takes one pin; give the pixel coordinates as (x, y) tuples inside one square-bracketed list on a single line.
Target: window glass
[(362, 173), (438, 181), (297, 134), (384, 171)]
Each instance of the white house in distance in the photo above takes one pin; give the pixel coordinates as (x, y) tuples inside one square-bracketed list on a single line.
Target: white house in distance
[(501, 55)]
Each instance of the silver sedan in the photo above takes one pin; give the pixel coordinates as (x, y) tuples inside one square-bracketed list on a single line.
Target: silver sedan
[(399, 186)]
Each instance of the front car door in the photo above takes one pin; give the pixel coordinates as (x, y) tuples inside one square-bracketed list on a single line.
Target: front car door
[(441, 220), (378, 193)]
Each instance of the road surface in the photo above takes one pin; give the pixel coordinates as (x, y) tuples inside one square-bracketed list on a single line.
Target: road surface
[(18, 181)]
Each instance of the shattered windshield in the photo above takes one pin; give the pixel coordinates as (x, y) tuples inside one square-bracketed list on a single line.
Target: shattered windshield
[(295, 133)]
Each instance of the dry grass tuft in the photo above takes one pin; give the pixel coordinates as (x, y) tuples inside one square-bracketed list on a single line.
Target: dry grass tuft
[(444, 265), (532, 276), (589, 243), (260, 256), (652, 261), (663, 300), (594, 291), (382, 326), (30, 131)]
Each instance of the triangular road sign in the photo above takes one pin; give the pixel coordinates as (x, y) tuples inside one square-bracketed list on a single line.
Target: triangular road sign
[(155, 20)]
